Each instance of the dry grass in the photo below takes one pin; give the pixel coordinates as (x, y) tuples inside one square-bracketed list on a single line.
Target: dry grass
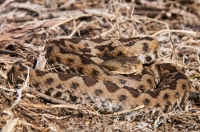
[(25, 28)]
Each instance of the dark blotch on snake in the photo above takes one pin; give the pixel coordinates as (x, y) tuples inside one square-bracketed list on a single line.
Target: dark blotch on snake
[(111, 86), (89, 81), (49, 81), (122, 97), (64, 77), (59, 86), (145, 47), (74, 85), (98, 92), (134, 92), (166, 96), (146, 101), (40, 73)]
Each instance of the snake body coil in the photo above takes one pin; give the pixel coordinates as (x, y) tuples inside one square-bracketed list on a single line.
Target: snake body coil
[(155, 85)]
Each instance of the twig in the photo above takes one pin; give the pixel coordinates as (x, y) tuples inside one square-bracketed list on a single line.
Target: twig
[(39, 94), (68, 20), (117, 21), (65, 105), (19, 91), (126, 111), (7, 89), (175, 31)]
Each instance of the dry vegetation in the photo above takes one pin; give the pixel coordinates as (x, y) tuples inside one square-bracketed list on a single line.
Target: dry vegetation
[(26, 26)]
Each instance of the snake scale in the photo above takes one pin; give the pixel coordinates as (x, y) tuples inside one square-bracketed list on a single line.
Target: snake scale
[(91, 78)]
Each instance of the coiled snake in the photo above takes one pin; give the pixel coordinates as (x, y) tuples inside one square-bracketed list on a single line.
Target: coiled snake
[(108, 74)]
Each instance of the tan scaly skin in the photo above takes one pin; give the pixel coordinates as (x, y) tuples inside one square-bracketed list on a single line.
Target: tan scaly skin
[(155, 85)]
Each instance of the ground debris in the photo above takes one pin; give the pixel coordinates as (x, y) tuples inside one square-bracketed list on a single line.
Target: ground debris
[(26, 26)]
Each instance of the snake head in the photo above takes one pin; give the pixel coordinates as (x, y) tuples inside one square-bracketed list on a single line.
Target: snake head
[(124, 65)]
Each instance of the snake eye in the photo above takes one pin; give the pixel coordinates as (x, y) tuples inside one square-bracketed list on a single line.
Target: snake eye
[(126, 65)]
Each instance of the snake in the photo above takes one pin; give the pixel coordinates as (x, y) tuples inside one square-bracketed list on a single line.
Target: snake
[(110, 75)]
